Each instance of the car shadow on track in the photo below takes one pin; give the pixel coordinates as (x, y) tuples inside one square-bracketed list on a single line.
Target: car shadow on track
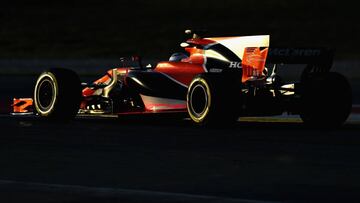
[(256, 123), (175, 124)]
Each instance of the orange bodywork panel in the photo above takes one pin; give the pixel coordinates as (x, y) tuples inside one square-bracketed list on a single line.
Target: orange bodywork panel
[(181, 71), (22, 105)]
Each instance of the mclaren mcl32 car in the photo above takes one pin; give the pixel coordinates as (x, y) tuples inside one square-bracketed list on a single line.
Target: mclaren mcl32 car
[(215, 80)]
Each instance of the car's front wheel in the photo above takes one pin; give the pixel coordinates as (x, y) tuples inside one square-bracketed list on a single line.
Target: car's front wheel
[(57, 94)]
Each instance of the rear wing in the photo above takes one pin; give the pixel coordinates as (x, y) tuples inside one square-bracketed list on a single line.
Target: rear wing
[(320, 57)]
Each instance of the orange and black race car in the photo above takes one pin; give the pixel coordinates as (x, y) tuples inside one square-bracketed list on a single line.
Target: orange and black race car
[(216, 80)]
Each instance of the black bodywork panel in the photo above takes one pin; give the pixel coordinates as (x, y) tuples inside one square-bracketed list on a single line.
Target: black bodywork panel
[(155, 84)]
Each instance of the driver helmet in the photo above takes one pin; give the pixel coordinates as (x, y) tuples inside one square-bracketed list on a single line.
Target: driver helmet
[(177, 57)]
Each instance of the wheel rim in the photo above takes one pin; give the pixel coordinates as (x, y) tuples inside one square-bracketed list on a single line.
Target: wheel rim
[(198, 100), (45, 94)]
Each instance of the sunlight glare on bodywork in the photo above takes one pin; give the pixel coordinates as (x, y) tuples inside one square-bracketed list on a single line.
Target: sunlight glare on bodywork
[(213, 54), (238, 44)]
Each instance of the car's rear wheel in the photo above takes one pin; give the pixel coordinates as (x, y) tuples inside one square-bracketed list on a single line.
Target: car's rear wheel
[(57, 94), (211, 99), (326, 100)]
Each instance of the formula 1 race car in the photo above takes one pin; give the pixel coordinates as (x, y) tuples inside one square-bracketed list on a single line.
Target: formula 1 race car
[(216, 81)]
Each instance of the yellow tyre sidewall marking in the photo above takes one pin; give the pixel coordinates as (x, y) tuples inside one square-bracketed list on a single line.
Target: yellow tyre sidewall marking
[(207, 109), (55, 86)]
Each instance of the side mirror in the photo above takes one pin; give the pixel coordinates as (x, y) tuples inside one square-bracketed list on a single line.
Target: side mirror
[(133, 61), (196, 33), (135, 58)]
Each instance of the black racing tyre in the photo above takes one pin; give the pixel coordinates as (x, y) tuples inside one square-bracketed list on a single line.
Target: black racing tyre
[(57, 94), (326, 100), (214, 99)]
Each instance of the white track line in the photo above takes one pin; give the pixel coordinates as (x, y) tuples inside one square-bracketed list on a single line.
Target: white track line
[(133, 194)]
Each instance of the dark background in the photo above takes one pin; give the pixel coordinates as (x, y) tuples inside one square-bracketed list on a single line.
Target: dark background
[(276, 159), (110, 29)]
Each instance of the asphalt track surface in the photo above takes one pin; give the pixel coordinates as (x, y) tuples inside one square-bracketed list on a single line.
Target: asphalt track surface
[(111, 160), (165, 160)]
